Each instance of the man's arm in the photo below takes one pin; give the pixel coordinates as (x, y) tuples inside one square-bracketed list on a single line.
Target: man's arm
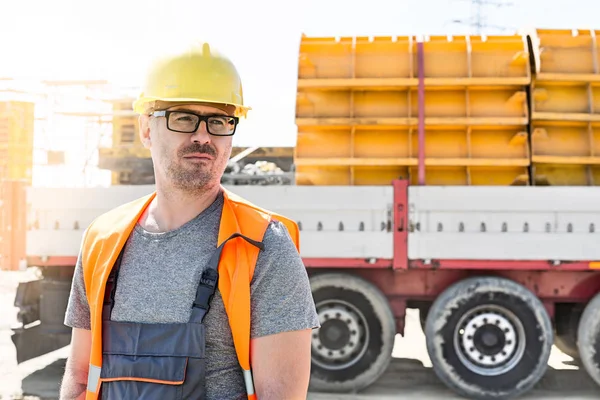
[(74, 382), (283, 316), (77, 316), (281, 365)]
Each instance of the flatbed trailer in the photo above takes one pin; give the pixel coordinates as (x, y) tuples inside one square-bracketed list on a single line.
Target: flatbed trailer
[(499, 275)]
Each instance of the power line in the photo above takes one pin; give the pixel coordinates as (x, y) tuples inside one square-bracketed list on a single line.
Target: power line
[(478, 16)]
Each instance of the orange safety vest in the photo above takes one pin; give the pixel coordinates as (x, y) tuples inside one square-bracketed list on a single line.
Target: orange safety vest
[(106, 236)]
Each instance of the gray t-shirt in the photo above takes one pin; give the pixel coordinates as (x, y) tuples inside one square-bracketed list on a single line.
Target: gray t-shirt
[(159, 276)]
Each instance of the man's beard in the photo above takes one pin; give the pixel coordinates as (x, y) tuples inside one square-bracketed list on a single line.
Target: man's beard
[(195, 177)]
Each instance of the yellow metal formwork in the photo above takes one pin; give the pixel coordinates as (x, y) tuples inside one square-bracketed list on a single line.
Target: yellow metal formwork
[(16, 140), (126, 139), (566, 54), (357, 110), (565, 108)]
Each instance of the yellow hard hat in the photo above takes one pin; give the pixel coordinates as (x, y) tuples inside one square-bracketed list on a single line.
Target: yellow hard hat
[(198, 75)]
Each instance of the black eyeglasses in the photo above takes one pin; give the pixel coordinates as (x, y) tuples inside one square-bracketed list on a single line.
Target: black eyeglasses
[(188, 122)]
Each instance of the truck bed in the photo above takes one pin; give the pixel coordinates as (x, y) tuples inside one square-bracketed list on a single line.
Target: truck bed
[(357, 222)]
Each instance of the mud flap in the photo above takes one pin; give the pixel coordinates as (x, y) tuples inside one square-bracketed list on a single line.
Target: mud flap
[(33, 342)]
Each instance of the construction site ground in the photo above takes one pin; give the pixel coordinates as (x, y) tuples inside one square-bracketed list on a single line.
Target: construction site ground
[(409, 376)]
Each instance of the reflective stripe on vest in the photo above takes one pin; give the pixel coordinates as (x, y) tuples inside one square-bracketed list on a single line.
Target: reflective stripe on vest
[(106, 236)]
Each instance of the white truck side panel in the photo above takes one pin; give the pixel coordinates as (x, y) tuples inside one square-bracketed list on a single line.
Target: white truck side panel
[(504, 223), (53, 243), (473, 223), (331, 206), (58, 217), (364, 245)]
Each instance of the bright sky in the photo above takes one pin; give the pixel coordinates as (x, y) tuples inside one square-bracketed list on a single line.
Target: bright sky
[(110, 39)]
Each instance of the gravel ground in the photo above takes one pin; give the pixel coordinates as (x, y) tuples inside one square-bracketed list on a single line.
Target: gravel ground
[(409, 376)]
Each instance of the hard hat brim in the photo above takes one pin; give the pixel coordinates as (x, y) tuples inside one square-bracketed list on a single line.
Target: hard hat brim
[(145, 105)]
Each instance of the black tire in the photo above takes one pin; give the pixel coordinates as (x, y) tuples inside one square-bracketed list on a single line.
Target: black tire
[(477, 332), (353, 347), (588, 338)]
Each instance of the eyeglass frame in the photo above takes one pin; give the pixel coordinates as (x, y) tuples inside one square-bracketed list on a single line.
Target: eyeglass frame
[(166, 113)]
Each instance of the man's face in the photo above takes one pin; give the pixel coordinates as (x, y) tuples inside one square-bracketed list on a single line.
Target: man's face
[(188, 161)]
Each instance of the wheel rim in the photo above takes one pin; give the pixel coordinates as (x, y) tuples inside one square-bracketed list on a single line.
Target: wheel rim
[(343, 337), (489, 340)]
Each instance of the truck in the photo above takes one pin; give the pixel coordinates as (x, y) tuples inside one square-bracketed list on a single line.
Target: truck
[(453, 175)]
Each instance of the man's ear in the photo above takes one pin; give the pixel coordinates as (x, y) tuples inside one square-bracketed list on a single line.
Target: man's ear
[(144, 123)]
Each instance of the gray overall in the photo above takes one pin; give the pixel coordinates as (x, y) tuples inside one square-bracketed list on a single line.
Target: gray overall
[(158, 361)]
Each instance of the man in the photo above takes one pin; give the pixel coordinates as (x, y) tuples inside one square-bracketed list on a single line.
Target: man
[(190, 292)]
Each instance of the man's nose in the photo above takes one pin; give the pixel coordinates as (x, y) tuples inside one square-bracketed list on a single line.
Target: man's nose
[(201, 135)]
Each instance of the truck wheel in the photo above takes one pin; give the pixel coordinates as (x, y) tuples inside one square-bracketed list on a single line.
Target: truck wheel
[(588, 338), (353, 347), (566, 323), (488, 338)]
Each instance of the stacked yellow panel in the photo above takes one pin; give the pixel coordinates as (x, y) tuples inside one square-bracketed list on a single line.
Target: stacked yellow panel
[(16, 140), (16, 164), (565, 108), (12, 223), (357, 110), (127, 152)]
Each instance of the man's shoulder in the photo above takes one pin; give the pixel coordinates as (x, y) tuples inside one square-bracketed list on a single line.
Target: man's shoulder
[(278, 241)]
